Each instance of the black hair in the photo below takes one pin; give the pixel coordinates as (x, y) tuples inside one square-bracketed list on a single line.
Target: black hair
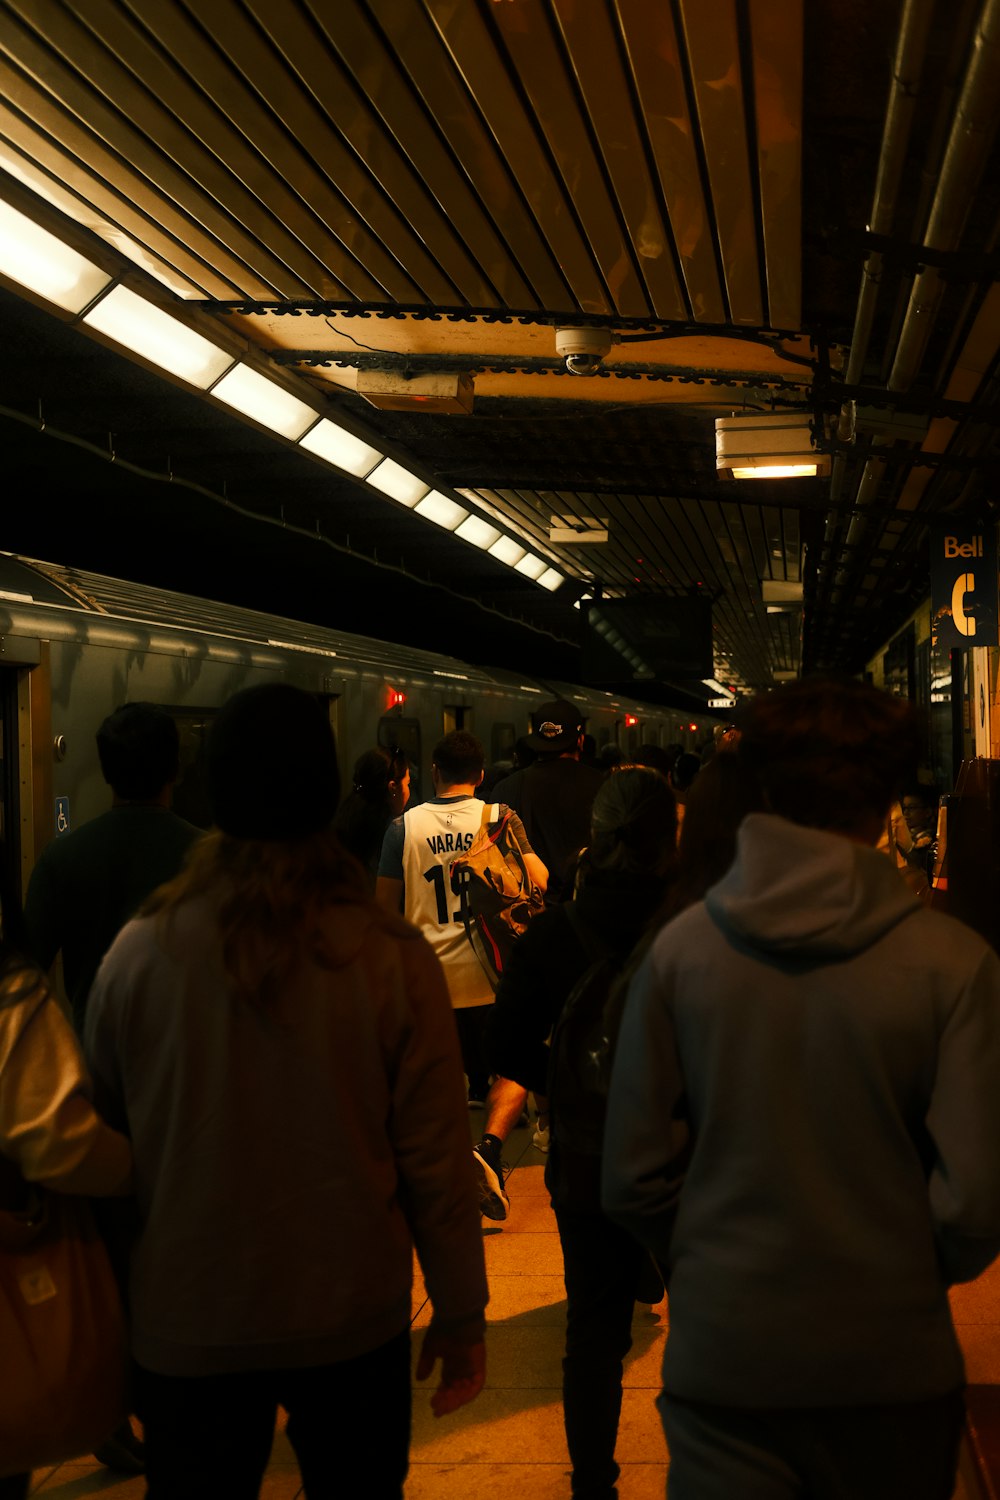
[(139, 750), (830, 752), (459, 757)]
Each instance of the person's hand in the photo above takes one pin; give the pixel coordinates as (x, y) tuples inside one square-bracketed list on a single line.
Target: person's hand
[(463, 1370)]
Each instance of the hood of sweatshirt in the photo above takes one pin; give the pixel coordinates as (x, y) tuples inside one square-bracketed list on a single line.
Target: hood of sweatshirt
[(805, 892)]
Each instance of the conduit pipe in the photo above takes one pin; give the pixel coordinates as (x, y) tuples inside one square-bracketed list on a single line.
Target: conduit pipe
[(911, 49), (972, 135), (971, 138)]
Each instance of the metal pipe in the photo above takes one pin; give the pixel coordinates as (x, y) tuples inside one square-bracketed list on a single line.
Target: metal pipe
[(911, 49), (971, 139)]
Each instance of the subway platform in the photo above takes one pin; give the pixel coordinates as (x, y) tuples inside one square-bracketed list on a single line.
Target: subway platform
[(510, 1441)]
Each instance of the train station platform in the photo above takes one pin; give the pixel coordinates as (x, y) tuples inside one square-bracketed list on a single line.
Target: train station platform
[(510, 1441)]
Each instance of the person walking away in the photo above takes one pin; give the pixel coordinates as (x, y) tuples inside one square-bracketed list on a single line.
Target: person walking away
[(554, 795), (282, 1054), (86, 884), (625, 874), (414, 878), (802, 1127), (380, 790)]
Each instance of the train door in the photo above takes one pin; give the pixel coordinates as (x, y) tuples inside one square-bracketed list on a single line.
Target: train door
[(28, 813), (10, 831)]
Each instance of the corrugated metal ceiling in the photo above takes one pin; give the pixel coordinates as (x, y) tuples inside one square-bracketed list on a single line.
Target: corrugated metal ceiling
[(442, 182)]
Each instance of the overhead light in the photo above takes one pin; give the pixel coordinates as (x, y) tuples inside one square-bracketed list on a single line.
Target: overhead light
[(767, 445), (479, 532), (442, 511), (263, 401), (531, 566), (506, 550), (40, 262), (340, 448), (551, 579), (716, 687), (393, 480), (147, 330)]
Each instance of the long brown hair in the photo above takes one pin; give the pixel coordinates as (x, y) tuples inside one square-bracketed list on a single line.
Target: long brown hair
[(271, 896)]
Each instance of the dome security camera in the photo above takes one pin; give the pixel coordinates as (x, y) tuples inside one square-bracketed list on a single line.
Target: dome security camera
[(584, 349)]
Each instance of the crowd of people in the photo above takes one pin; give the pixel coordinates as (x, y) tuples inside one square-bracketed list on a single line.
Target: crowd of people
[(281, 1027)]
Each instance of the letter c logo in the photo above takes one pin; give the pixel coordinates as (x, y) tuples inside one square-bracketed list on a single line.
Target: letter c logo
[(964, 585)]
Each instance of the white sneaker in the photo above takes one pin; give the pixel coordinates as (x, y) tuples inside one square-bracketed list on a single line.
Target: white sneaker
[(540, 1138)]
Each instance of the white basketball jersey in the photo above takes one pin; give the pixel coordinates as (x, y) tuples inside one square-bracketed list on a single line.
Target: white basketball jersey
[(434, 833)]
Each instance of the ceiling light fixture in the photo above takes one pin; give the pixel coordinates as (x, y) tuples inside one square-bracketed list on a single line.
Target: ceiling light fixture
[(337, 446), (258, 398), (479, 532), (398, 483), (138, 325), (767, 445), (442, 511), (41, 263)]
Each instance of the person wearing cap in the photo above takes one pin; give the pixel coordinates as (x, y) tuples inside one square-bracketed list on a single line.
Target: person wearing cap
[(282, 1054), (554, 795)]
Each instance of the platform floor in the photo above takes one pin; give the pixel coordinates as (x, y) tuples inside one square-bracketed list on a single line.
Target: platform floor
[(510, 1441)]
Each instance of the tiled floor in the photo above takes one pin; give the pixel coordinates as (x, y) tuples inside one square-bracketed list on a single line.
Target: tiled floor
[(510, 1441)]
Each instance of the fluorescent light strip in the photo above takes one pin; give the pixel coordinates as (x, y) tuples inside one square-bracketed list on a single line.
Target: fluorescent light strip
[(506, 550), (479, 532), (258, 398), (442, 511), (170, 345), (341, 448), (393, 480), (531, 566), (551, 579), (37, 260)]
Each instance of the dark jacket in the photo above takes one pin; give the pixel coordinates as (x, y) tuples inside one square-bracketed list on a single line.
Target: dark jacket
[(545, 965)]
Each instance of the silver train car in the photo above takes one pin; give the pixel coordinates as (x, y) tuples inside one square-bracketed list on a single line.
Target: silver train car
[(74, 645)]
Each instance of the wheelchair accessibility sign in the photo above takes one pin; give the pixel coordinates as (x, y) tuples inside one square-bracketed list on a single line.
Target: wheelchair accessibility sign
[(62, 815)]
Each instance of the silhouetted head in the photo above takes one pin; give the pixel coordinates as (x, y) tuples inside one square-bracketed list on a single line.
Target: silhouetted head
[(139, 750)]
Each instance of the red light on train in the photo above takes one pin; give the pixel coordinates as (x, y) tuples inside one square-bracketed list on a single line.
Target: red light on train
[(396, 698), (693, 728), (630, 721)]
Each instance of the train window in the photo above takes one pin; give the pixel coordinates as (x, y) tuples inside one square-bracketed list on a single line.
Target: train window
[(605, 736), (457, 716), (397, 733), (190, 799), (502, 738)]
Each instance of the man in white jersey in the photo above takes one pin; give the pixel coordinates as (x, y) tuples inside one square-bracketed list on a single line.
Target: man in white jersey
[(414, 877)]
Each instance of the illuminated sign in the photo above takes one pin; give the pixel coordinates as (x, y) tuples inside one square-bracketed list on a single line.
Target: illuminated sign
[(964, 584)]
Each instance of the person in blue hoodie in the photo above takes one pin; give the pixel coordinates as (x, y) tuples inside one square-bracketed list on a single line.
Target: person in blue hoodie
[(804, 1129)]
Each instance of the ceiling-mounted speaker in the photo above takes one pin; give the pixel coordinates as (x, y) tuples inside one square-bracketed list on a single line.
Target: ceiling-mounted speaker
[(441, 391)]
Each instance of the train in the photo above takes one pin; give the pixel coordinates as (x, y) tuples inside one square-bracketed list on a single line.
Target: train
[(74, 645)]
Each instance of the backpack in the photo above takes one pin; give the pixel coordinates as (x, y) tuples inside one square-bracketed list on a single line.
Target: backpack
[(498, 897), (582, 1045)]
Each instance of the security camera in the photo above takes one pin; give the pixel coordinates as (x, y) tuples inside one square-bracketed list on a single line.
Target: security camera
[(584, 349)]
